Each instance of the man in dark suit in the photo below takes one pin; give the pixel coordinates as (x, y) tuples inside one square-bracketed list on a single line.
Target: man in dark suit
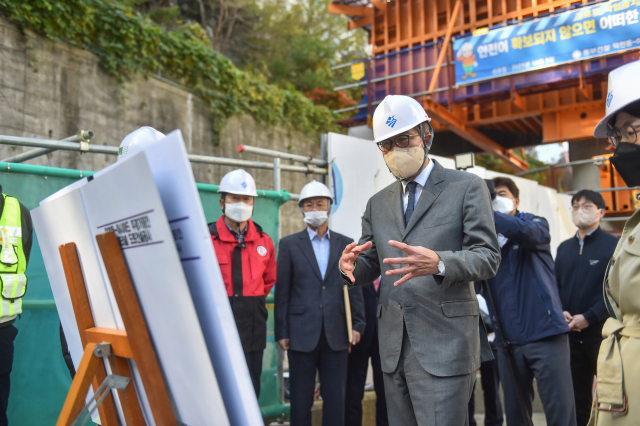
[(310, 319), (359, 364)]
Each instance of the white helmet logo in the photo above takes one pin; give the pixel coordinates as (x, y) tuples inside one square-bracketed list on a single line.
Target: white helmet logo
[(391, 121), (244, 185), (609, 98)]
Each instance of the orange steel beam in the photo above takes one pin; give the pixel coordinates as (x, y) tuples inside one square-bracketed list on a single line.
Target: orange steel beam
[(380, 5), (367, 19), (341, 9), (445, 46), (473, 135), (571, 124), (534, 113)]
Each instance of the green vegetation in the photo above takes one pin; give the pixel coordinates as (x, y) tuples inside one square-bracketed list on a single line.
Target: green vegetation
[(130, 43)]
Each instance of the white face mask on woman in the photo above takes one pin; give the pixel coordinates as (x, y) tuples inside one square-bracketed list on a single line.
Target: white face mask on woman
[(238, 212), (316, 218), (584, 218)]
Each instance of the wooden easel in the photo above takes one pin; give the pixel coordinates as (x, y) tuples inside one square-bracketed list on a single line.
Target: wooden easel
[(132, 344)]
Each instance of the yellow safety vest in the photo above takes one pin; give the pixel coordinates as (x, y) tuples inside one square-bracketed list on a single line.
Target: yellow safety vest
[(13, 263)]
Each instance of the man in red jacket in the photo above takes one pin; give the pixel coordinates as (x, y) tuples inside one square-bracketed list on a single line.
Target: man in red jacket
[(248, 264)]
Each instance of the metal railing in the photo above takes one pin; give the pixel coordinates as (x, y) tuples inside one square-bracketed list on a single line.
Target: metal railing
[(80, 142)]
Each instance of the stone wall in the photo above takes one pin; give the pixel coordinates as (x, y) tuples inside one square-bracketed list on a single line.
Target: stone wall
[(50, 89)]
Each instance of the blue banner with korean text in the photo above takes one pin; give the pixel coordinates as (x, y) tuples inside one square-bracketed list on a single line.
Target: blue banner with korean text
[(581, 34)]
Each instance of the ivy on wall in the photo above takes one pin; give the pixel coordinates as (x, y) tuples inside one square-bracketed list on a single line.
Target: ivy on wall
[(130, 44)]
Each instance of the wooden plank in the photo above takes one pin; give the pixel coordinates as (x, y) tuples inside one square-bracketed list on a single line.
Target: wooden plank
[(136, 327), (342, 9), (84, 320), (117, 339), (79, 386)]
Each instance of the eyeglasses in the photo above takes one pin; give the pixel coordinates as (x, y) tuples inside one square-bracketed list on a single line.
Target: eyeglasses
[(576, 207), (626, 134), (318, 205), (401, 141)]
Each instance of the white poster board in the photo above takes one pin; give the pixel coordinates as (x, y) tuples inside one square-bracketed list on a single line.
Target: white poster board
[(124, 198), (173, 176)]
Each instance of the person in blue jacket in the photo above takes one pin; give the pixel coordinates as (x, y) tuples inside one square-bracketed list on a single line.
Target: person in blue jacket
[(530, 313)]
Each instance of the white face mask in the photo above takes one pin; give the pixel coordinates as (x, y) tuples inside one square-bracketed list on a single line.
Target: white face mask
[(405, 162), (316, 218), (584, 218), (238, 212), (502, 205)]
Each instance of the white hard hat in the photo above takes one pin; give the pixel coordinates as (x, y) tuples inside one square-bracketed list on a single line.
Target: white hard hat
[(624, 89), (397, 114), (138, 140), (315, 189), (238, 182)]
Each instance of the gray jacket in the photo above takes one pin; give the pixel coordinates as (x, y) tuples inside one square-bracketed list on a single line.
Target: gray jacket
[(453, 217)]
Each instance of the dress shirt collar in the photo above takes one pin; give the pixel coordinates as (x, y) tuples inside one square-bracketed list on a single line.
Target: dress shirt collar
[(313, 234), (421, 179), (239, 236)]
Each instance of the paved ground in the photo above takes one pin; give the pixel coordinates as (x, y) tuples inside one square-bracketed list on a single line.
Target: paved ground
[(538, 420)]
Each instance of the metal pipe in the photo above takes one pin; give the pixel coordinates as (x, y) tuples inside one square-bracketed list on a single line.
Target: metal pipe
[(413, 95), (59, 145), (606, 190), (255, 164), (389, 77), (324, 153), (596, 161), (81, 136), (615, 219), (276, 174), (285, 156), (113, 150), (38, 152)]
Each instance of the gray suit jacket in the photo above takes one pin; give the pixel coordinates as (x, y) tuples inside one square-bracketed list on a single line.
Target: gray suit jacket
[(453, 217)]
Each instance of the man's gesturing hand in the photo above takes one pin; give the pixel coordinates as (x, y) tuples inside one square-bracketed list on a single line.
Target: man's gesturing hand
[(420, 262), (349, 256)]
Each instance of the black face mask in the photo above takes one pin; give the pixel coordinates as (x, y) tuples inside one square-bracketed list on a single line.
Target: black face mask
[(626, 160)]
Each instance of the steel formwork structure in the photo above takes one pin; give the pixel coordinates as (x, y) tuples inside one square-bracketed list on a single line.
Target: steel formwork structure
[(412, 55)]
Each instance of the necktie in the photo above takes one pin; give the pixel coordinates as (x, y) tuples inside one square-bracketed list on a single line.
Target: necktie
[(411, 187)]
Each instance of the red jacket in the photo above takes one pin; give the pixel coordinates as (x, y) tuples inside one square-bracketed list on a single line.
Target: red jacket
[(258, 259)]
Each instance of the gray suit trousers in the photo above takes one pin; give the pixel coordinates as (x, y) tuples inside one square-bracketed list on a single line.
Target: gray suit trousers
[(415, 397)]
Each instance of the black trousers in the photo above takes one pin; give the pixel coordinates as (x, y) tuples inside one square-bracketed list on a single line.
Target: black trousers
[(332, 367), (356, 378), (584, 362), (7, 336), (254, 362), (490, 379)]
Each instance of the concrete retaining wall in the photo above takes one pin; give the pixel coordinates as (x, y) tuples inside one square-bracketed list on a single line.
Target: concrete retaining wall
[(50, 89)]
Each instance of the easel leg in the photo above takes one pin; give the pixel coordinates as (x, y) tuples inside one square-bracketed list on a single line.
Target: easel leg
[(84, 319), (128, 397), (80, 386)]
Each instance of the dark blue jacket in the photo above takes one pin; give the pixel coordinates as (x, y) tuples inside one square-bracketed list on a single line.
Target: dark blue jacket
[(580, 275), (305, 304), (524, 289)]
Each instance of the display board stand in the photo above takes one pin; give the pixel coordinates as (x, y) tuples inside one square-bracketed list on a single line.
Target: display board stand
[(114, 346)]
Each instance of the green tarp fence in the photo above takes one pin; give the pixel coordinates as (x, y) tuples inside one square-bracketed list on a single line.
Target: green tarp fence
[(40, 379)]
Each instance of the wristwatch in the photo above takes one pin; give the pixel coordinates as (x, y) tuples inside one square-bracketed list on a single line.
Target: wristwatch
[(441, 267)]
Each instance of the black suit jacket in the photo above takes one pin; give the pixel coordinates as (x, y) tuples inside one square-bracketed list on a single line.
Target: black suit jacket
[(304, 302)]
